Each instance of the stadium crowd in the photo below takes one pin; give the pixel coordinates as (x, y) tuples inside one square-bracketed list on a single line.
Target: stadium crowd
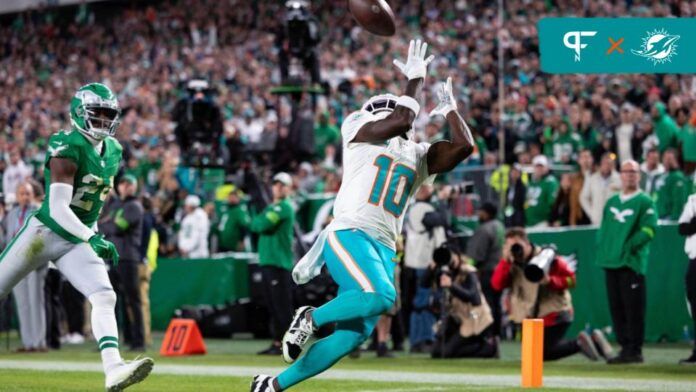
[(564, 136), (147, 53)]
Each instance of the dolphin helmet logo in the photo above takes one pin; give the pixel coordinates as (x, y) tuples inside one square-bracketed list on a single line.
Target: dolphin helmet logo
[(658, 46)]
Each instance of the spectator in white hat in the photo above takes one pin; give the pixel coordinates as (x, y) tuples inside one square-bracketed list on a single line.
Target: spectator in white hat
[(275, 228), (541, 194), (193, 234)]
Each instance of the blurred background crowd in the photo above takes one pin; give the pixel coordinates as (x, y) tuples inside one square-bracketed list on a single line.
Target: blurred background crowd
[(150, 53), (218, 96)]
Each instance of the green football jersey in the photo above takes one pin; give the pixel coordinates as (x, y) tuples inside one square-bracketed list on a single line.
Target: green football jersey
[(565, 146), (541, 194), (275, 227), (673, 190), (93, 180), (235, 219), (628, 226)]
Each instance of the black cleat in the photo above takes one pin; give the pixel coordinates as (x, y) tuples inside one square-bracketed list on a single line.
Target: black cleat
[(689, 361), (297, 336), (262, 383)]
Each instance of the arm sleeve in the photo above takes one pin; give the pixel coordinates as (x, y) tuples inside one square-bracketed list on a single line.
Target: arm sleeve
[(586, 197), (553, 193), (501, 276), (560, 276), (270, 218), (243, 220), (265, 221), (468, 290), (131, 217), (59, 207), (646, 228)]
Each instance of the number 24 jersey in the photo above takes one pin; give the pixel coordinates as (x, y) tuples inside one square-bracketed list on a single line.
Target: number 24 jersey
[(93, 180), (378, 181)]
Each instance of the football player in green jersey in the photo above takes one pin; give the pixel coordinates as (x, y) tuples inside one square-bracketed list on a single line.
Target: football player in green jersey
[(80, 166)]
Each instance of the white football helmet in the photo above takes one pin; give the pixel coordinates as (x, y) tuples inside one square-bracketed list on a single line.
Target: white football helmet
[(381, 105)]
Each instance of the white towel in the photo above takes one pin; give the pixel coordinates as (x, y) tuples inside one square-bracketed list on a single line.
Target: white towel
[(310, 264)]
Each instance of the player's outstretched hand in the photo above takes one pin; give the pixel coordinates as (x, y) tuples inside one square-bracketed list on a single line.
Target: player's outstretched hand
[(447, 101), (104, 249), (416, 64)]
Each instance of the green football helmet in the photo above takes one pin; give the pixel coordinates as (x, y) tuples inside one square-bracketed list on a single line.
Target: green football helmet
[(94, 111)]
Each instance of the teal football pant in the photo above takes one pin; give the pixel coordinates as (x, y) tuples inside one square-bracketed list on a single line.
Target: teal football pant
[(363, 268)]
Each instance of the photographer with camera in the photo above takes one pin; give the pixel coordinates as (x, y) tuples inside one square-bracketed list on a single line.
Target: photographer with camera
[(198, 124), (464, 329), (299, 37), (539, 281)]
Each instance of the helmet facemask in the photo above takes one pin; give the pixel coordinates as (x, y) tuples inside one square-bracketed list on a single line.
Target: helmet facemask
[(381, 106), (101, 121), (95, 112)]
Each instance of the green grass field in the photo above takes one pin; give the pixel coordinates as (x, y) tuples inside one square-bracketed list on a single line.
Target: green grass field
[(402, 373)]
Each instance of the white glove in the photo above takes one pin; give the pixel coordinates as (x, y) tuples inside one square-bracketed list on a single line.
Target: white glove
[(416, 63), (447, 101)]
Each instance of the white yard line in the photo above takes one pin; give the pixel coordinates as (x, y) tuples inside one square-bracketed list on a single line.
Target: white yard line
[(423, 389), (442, 379)]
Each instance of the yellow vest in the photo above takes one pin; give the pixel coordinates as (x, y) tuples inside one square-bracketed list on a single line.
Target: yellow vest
[(152, 250), (500, 179)]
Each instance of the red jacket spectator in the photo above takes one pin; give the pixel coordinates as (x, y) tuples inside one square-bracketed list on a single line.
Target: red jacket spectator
[(548, 299)]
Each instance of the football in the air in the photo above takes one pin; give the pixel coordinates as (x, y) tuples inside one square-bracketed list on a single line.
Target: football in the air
[(374, 16)]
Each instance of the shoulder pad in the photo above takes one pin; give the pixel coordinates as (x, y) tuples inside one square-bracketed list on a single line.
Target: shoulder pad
[(113, 142), (66, 144), (73, 138)]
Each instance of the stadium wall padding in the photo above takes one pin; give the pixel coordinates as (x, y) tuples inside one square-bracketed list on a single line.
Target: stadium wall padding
[(666, 314), (178, 282)]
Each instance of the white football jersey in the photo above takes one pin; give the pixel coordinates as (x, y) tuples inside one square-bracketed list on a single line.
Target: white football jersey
[(378, 181)]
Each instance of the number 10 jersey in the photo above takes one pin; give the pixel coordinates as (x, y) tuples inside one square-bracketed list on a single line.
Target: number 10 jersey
[(93, 180), (378, 181)]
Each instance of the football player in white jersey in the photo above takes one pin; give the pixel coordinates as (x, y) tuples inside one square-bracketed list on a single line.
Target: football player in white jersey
[(382, 169)]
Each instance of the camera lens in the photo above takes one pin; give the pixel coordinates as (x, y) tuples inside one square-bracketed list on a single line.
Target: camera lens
[(442, 256)]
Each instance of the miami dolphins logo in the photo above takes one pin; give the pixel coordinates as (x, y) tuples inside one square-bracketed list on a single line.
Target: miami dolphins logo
[(658, 47)]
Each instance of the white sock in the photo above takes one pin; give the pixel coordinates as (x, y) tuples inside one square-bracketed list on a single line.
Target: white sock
[(110, 357), (104, 327)]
